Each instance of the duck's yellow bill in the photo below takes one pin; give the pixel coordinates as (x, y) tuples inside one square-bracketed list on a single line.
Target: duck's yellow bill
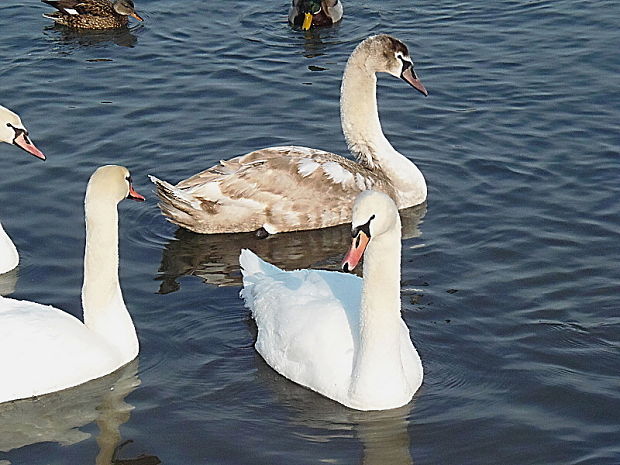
[(307, 22)]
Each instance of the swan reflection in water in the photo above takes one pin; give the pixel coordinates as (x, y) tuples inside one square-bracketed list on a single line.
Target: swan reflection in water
[(123, 37), (8, 282), (58, 417), (214, 258), (383, 434)]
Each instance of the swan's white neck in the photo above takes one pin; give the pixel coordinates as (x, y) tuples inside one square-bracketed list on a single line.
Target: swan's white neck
[(378, 371), (102, 300), (8, 253), (362, 131)]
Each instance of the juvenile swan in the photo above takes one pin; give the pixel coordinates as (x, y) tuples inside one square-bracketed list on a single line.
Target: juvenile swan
[(292, 188), (42, 348), (12, 131), (335, 333)]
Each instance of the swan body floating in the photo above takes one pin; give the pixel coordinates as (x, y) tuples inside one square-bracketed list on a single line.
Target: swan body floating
[(42, 348), (291, 188), (335, 333), (12, 131), (92, 14), (308, 13)]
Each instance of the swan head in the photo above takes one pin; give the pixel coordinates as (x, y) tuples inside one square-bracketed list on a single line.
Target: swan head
[(112, 183), (389, 55), (12, 131), (126, 8), (374, 214)]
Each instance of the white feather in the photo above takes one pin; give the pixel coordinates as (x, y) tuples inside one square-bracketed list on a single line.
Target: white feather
[(306, 167), (337, 173)]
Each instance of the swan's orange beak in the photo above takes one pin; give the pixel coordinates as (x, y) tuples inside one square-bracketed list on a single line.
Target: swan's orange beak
[(133, 195), (354, 255), (137, 16), (307, 22), (24, 143)]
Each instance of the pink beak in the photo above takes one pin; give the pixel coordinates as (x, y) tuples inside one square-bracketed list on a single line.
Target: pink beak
[(354, 255), (24, 143), (410, 77), (134, 195)]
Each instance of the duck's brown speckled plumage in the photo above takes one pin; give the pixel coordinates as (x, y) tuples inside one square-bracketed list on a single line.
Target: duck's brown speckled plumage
[(88, 14)]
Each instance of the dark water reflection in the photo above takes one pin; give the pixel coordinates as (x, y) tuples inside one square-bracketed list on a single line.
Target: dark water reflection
[(215, 258), (59, 417), (384, 436), (62, 35)]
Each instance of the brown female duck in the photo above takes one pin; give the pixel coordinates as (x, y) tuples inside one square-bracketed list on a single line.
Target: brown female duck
[(92, 14)]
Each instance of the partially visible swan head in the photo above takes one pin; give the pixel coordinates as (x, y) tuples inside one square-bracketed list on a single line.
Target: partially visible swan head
[(374, 214), (389, 55), (111, 183), (12, 131)]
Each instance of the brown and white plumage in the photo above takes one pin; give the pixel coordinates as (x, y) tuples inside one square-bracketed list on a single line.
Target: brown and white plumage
[(92, 14), (292, 188)]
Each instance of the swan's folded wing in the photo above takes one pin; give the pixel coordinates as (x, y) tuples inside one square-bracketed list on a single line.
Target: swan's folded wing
[(55, 346), (307, 323), (278, 188)]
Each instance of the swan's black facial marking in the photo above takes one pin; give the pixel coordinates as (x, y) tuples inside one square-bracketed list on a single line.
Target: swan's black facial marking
[(406, 64), (365, 228), (19, 132)]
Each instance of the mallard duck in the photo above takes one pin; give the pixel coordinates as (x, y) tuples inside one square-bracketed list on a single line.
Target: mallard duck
[(51, 350), (307, 13), (335, 333), (291, 188), (92, 14), (12, 131)]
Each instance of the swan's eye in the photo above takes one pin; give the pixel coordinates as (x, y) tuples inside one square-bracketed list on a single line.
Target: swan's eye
[(18, 132), (365, 228)]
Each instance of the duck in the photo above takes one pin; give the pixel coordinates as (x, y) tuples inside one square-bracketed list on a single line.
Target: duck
[(292, 188), (335, 333), (308, 13), (45, 349), (92, 14), (12, 131)]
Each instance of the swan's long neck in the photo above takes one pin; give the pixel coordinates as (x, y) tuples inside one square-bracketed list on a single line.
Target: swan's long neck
[(362, 131), (377, 366), (102, 300)]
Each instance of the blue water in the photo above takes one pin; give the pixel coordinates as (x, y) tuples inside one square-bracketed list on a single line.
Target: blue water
[(510, 271)]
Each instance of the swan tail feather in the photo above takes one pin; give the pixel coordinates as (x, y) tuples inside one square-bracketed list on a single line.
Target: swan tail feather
[(174, 203)]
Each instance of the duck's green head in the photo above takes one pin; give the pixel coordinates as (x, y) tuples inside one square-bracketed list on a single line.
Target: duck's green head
[(309, 8)]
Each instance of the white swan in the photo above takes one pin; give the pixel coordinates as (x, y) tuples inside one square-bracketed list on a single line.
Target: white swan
[(335, 333), (42, 348), (281, 189), (12, 131)]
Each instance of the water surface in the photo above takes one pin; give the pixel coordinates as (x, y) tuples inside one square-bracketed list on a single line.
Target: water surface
[(510, 276)]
